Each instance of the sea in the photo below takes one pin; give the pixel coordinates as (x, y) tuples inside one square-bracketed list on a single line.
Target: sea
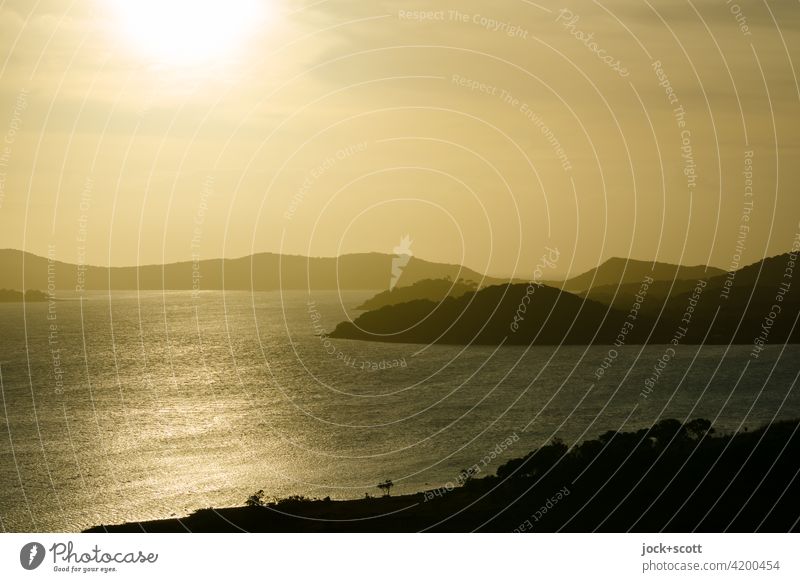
[(131, 406)]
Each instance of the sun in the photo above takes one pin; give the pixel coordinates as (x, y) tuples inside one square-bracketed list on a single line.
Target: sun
[(187, 32)]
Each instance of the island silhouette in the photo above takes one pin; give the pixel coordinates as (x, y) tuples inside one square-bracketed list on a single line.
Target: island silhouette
[(753, 305)]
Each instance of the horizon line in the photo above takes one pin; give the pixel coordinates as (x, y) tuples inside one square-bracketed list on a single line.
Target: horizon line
[(295, 255)]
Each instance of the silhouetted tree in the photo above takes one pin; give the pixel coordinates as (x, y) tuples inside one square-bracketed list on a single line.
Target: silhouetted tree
[(699, 428), (666, 430), (386, 486), (256, 499)]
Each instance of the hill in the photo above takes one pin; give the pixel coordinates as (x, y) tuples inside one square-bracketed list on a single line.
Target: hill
[(756, 305), (496, 314), (430, 289), (619, 271)]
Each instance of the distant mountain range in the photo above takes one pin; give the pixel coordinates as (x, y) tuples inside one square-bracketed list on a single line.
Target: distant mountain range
[(269, 271), (737, 307), (259, 272), (438, 302), (30, 296)]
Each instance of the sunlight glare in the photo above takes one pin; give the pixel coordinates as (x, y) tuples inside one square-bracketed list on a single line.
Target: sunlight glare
[(188, 32)]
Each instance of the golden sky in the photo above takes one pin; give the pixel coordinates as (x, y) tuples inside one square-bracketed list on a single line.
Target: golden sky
[(144, 132)]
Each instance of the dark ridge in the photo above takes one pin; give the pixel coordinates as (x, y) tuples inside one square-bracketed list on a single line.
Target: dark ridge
[(429, 289), (619, 271)]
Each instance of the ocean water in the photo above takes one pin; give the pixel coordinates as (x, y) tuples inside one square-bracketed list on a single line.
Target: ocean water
[(134, 406)]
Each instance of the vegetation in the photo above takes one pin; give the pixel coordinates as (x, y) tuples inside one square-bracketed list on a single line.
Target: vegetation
[(386, 487), (256, 499)]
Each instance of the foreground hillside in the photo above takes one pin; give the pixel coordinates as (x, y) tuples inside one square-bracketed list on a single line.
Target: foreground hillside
[(672, 477)]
